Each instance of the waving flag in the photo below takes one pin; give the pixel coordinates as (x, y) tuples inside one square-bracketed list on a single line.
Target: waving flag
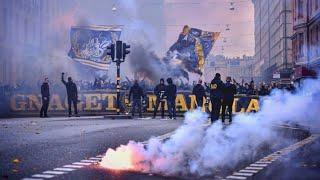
[(89, 44), (192, 47)]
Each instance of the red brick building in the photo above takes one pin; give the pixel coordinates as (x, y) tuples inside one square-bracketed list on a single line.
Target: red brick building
[(306, 34)]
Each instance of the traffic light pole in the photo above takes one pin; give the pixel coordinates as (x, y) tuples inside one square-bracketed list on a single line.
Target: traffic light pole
[(118, 51), (118, 86)]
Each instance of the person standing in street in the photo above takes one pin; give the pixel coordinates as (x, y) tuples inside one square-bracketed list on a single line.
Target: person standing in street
[(216, 88), (137, 95), (45, 94), (199, 92), (229, 90), (159, 91), (171, 93), (72, 93)]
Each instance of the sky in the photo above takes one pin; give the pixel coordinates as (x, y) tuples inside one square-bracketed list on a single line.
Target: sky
[(162, 21), (214, 15)]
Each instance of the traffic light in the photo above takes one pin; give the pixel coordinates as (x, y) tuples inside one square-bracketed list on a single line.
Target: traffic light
[(125, 50), (110, 51), (119, 49)]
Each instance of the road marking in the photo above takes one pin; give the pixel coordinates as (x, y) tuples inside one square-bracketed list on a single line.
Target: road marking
[(72, 166), (236, 177), (258, 165), (254, 168), (242, 174), (263, 162), (85, 162), (64, 169), (82, 163), (248, 171), (89, 161), (47, 176), (266, 161), (54, 172)]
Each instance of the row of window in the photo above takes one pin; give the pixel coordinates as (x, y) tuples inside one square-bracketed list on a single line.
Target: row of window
[(300, 47), (299, 8)]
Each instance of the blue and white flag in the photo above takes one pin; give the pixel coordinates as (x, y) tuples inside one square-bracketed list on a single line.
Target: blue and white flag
[(89, 44), (192, 48)]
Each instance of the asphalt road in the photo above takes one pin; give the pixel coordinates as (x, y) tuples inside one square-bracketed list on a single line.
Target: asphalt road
[(32, 145), (303, 163)]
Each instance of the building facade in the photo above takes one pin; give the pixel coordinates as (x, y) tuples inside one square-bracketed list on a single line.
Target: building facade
[(239, 68), (306, 33), (28, 29), (273, 30)]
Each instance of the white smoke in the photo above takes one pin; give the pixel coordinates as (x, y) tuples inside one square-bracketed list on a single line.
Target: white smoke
[(193, 149)]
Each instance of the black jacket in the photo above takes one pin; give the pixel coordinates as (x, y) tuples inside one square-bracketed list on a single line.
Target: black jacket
[(158, 89), (45, 90), (171, 92), (216, 88), (199, 91), (136, 92), (229, 91), (72, 90)]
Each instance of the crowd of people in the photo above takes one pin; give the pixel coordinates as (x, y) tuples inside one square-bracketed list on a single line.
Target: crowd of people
[(221, 94)]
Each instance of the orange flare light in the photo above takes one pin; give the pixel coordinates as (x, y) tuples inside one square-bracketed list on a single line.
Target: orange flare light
[(121, 159)]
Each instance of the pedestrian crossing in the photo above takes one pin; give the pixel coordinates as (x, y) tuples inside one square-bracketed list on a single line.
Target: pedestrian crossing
[(261, 164), (78, 165)]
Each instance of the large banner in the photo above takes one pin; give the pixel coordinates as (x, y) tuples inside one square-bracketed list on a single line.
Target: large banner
[(192, 47), (89, 44), (101, 102)]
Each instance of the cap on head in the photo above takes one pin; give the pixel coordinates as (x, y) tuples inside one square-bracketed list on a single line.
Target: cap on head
[(161, 81), (169, 81)]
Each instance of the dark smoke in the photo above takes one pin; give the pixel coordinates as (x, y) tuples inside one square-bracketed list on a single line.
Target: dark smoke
[(145, 62)]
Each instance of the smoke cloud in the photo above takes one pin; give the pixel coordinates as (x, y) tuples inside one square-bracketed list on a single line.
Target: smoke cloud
[(144, 62), (193, 149)]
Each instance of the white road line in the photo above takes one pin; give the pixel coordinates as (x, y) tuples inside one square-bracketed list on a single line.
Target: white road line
[(82, 163), (77, 165), (264, 162), (248, 171), (258, 165), (236, 177), (254, 168), (54, 172), (242, 174), (47, 176), (64, 169), (73, 166), (89, 161)]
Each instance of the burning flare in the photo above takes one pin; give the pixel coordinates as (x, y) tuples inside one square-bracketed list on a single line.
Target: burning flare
[(124, 157)]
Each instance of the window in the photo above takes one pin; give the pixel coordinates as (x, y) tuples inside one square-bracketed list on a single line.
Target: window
[(4, 26), (300, 8), (301, 44), (318, 40)]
